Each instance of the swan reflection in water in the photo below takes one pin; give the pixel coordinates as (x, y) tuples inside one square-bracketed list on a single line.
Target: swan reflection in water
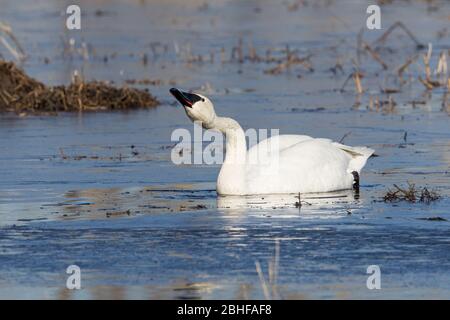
[(311, 203), (95, 203)]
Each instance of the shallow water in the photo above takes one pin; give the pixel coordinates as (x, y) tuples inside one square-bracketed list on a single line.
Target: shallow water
[(100, 191)]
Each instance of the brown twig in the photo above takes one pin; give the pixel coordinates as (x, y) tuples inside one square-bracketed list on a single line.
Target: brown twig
[(400, 25), (403, 67), (357, 79), (375, 55), (18, 52)]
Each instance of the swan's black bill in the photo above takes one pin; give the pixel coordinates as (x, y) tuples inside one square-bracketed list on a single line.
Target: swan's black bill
[(185, 98)]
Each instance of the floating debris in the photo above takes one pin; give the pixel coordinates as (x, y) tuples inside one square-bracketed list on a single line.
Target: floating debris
[(118, 213), (22, 94), (433, 219), (291, 60), (147, 82), (196, 207), (411, 194)]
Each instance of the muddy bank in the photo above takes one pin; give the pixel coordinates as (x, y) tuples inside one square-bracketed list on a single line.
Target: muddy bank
[(22, 94)]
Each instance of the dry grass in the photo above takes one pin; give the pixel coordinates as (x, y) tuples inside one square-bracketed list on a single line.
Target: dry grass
[(22, 94), (411, 194), (15, 49), (428, 81), (270, 287)]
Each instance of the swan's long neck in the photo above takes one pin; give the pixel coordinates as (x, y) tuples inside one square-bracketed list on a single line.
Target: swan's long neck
[(236, 146), (232, 180)]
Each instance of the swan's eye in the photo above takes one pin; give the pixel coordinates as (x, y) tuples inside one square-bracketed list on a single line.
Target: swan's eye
[(203, 100)]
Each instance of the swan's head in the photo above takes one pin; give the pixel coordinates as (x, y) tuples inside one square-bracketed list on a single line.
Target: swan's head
[(197, 107)]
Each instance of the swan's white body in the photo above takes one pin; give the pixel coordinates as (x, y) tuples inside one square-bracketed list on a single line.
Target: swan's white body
[(280, 164), (288, 164)]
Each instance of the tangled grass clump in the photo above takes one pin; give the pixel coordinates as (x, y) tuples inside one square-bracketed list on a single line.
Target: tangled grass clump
[(20, 93), (411, 194)]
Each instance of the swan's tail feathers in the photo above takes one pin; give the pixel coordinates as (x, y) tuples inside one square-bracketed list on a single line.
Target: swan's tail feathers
[(359, 156)]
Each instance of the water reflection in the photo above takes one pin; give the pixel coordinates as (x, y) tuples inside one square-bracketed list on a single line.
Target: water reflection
[(330, 204), (280, 201), (115, 202), (178, 198)]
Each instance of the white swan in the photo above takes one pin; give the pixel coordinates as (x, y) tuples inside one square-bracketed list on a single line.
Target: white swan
[(284, 164)]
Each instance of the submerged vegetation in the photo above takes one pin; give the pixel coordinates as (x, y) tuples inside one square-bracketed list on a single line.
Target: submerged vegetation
[(411, 194)]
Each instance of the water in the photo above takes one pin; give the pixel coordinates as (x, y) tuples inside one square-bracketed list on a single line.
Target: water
[(100, 191)]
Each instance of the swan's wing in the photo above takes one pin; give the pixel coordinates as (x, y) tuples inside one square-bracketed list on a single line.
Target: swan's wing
[(359, 156), (275, 144), (310, 165)]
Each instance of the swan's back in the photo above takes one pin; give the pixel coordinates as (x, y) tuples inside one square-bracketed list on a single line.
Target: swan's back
[(263, 151), (304, 164)]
